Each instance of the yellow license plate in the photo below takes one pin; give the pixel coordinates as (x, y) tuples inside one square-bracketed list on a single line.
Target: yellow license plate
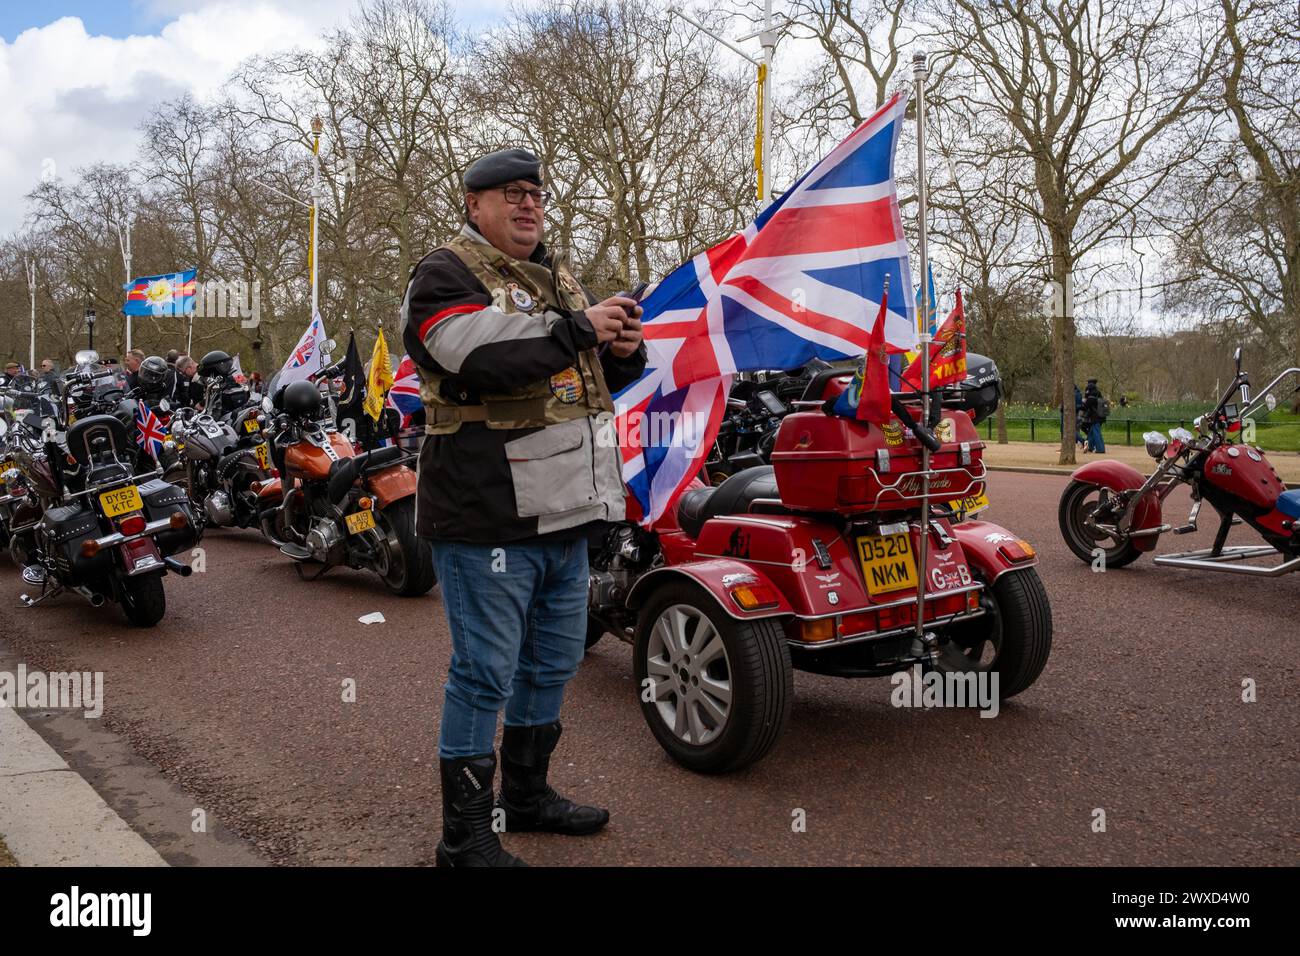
[(972, 504), (251, 425), (887, 563), (121, 501), (263, 456), (360, 521), (5, 466)]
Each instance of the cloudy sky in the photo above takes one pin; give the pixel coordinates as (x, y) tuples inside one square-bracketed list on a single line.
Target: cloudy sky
[(78, 76)]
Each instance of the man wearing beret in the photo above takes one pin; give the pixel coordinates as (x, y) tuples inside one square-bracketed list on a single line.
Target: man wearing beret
[(520, 462)]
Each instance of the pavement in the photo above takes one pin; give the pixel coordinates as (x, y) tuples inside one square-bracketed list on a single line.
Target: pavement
[(49, 814), (236, 704)]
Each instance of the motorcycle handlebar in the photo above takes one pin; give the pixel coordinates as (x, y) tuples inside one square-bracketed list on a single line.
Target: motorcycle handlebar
[(923, 434)]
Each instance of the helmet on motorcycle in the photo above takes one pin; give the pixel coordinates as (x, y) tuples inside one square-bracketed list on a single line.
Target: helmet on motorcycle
[(301, 399), (152, 371), (216, 362), (981, 392)]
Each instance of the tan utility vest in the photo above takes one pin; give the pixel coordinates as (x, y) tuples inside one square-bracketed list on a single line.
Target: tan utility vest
[(577, 392)]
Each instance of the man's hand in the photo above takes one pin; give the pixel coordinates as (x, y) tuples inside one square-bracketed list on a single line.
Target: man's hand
[(629, 340), (608, 317)]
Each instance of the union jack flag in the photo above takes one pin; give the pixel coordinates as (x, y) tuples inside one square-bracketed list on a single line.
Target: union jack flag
[(405, 393), (804, 280), (150, 431)]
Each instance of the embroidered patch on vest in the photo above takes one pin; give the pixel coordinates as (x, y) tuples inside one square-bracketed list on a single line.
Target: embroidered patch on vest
[(567, 386), (520, 297)]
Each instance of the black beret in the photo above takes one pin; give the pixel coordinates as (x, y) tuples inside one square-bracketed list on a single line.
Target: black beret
[(503, 166)]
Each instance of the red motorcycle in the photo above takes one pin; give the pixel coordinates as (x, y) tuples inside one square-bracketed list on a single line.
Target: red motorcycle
[(811, 563), (1110, 513)]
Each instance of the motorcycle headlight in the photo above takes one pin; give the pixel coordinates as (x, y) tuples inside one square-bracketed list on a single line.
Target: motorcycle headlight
[(1156, 444), (169, 445)]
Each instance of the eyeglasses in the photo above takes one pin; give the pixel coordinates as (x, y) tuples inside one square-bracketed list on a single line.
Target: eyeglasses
[(515, 195)]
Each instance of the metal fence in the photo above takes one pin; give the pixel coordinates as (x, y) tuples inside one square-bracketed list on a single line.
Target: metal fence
[(1271, 436)]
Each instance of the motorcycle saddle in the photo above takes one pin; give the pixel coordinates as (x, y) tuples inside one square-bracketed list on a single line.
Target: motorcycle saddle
[(734, 496), (344, 472), (1289, 503)]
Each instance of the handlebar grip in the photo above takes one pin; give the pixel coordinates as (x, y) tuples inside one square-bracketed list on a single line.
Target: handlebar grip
[(923, 435)]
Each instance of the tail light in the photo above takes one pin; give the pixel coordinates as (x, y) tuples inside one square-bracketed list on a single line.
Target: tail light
[(862, 623), (365, 504), (131, 524), (755, 597), (818, 631), (1017, 551)]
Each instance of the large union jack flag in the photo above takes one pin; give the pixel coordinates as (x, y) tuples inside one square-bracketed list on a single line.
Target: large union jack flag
[(803, 280)]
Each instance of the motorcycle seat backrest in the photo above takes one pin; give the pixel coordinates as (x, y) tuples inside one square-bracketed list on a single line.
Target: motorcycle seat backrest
[(97, 435), (816, 390), (343, 473)]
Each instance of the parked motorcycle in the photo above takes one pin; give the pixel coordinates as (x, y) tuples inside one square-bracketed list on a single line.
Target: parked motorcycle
[(87, 522), (1110, 512), (332, 506), (219, 464), (810, 563)]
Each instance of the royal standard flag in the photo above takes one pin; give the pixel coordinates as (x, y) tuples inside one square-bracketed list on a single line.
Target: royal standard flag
[(171, 294), (380, 379)]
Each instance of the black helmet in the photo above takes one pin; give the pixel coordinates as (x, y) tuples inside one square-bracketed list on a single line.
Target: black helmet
[(301, 399), (216, 362), (982, 390), (152, 372)]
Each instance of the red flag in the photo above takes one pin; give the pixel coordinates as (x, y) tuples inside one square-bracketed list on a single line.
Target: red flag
[(873, 402), (947, 352)]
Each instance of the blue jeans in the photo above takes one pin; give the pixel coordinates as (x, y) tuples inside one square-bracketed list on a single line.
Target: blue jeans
[(518, 619), (1095, 441)]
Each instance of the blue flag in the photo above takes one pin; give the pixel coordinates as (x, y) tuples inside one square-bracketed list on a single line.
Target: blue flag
[(171, 294)]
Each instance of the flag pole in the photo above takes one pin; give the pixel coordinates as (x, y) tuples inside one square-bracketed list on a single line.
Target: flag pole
[(31, 289), (316, 126), (920, 73)]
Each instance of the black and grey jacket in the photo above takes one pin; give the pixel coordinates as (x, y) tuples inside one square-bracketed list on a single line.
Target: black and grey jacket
[(494, 485)]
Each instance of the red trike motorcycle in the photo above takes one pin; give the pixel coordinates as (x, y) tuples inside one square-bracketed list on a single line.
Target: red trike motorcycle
[(811, 563), (1109, 513)]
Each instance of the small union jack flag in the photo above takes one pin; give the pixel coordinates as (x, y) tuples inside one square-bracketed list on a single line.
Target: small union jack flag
[(150, 431)]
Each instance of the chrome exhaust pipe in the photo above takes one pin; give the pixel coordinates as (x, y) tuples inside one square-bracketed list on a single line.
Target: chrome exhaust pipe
[(184, 570)]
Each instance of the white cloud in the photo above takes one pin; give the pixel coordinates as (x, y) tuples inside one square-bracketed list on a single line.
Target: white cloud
[(68, 99)]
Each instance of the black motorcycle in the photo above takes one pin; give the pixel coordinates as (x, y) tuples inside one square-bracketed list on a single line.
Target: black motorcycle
[(91, 523)]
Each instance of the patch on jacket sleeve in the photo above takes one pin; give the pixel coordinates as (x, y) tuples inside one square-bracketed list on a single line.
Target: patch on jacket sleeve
[(567, 386)]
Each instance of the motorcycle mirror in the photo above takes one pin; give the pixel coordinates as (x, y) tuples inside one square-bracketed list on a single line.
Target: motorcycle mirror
[(1201, 424), (165, 405), (86, 357), (1236, 357), (1271, 401), (267, 406)]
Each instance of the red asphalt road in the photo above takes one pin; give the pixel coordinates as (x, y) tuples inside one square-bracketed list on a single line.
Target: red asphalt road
[(236, 697)]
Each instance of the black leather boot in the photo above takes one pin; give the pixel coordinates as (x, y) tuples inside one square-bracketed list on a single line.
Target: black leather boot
[(467, 835), (529, 802)]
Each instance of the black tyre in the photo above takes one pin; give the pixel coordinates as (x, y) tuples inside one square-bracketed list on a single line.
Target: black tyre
[(410, 558), (720, 689), (1013, 637), (1078, 502), (144, 602)]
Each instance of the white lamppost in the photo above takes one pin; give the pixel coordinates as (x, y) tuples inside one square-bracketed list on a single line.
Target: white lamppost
[(767, 38)]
